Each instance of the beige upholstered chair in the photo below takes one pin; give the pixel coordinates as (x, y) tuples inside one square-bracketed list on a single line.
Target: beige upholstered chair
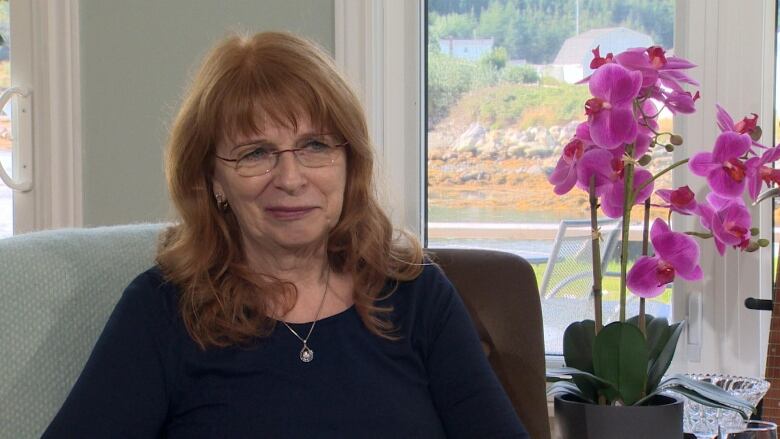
[(501, 293), (58, 287)]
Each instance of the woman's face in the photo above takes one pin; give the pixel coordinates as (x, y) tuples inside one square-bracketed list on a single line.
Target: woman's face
[(290, 208)]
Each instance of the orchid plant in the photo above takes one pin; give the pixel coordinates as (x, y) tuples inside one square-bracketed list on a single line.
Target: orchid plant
[(624, 362)]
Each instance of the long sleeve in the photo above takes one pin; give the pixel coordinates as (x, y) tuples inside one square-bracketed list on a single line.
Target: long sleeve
[(466, 391), (122, 391)]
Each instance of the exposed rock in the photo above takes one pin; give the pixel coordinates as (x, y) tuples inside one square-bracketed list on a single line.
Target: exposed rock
[(436, 154), (517, 151), (474, 176), (449, 156), (568, 131), (539, 152), (555, 131), (438, 141), (467, 142)]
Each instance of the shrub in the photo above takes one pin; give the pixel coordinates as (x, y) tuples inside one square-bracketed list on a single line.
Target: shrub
[(520, 75)]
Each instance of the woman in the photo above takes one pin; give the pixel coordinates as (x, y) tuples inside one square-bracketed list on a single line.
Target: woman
[(281, 305)]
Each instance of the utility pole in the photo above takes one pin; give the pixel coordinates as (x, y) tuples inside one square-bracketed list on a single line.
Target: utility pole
[(577, 17)]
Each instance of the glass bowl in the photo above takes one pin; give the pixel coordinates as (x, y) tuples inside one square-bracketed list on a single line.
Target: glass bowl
[(699, 417)]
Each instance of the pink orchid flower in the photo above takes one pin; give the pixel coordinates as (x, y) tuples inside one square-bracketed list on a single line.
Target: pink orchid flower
[(678, 102), (641, 145), (612, 201), (728, 220), (656, 67), (564, 176), (610, 111), (725, 171), (719, 202), (681, 200), (601, 164), (609, 180), (675, 254), (726, 122), (598, 61), (647, 128), (758, 172)]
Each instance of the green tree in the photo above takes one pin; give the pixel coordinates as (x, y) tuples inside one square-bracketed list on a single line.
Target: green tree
[(519, 75), (496, 58), (535, 29), (451, 25)]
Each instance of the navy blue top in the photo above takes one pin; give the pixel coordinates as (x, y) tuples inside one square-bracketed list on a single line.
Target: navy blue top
[(146, 378)]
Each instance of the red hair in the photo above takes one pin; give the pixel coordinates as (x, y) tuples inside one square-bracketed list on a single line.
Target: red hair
[(243, 82)]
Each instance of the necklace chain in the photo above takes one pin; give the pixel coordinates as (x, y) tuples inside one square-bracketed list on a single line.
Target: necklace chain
[(307, 354)]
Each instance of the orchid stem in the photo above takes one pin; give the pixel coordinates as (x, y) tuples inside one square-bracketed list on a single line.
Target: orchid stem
[(628, 203), (645, 251), (595, 254), (656, 176), (700, 235)]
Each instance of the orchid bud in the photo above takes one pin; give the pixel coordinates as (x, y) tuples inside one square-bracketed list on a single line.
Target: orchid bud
[(755, 134), (669, 148), (753, 246), (763, 242), (645, 160), (754, 231), (675, 139)]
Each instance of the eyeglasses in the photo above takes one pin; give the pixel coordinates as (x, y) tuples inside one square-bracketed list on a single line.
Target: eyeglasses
[(260, 158)]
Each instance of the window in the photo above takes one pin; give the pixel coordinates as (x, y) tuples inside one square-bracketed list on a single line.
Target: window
[(6, 117), (40, 125), (496, 125), (380, 46)]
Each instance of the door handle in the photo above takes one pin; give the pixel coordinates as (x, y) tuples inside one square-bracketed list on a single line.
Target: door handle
[(24, 184)]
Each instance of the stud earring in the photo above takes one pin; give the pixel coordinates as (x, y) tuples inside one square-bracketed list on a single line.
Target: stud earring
[(222, 203)]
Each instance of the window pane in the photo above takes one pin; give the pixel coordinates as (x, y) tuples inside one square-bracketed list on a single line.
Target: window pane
[(6, 198), (502, 104)]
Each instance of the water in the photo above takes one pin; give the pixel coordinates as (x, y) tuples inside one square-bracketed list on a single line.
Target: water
[(492, 215)]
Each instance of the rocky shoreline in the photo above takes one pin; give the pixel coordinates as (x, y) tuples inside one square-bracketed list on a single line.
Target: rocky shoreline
[(506, 169)]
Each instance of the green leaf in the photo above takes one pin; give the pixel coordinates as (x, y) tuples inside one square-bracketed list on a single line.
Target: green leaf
[(567, 388), (578, 345), (578, 353), (658, 333), (659, 367), (635, 320), (593, 382), (620, 357)]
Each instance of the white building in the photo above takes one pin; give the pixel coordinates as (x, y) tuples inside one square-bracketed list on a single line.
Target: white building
[(470, 49), (573, 60)]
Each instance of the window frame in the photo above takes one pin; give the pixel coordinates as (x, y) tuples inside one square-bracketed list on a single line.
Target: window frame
[(728, 337), (374, 38), (45, 51)]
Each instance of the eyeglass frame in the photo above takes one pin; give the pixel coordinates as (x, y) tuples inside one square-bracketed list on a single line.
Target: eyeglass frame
[(276, 155)]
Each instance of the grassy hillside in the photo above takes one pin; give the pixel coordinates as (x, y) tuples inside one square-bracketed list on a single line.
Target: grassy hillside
[(521, 105)]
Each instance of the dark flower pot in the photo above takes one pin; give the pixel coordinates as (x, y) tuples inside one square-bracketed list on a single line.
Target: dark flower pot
[(659, 418)]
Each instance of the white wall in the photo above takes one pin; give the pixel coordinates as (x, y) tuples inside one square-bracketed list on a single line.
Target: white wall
[(135, 58)]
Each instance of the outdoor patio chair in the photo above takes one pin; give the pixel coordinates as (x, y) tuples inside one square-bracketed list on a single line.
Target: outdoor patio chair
[(567, 282), (566, 285), (569, 270)]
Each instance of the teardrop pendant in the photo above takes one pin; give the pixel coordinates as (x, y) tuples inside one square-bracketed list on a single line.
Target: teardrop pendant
[(306, 354)]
